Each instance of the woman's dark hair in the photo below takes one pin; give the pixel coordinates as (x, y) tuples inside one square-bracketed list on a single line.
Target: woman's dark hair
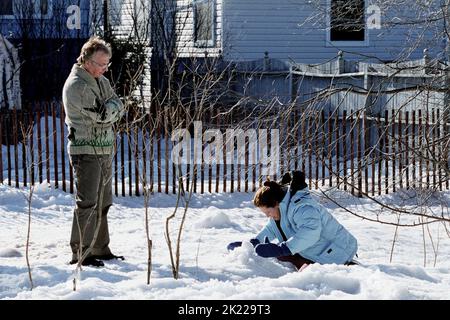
[(269, 195)]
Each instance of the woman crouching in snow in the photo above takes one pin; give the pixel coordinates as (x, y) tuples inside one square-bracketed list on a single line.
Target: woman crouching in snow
[(305, 231)]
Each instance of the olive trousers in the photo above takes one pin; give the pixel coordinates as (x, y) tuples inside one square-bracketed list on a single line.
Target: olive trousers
[(93, 175)]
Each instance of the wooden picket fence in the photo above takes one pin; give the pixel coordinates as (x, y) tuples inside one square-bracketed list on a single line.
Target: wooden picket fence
[(352, 151)]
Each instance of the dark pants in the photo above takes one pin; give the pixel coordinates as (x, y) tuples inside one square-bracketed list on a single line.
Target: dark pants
[(297, 260), (93, 199)]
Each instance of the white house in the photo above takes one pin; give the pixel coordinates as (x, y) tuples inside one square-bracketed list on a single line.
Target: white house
[(290, 33), (310, 31), (280, 38)]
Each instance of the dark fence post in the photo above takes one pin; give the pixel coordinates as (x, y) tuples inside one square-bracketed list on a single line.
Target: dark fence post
[(129, 134), (309, 139), (446, 153), (246, 155), (380, 151), (16, 152), (136, 158), (359, 151), (317, 132), (255, 161), (296, 130), (433, 138), (439, 158), (352, 150), (39, 136), (71, 176), (166, 147), (116, 170), (238, 163), (151, 156), (143, 127), (217, 158), (370, 151), (195, 165), (394, 180), (337, 147), (386, 151), (203, 119), (178, 123), (24, 128), (122, 161), (344, 146), (232, 154), (407, 147), (1, 148), (130, 163), (330, 149), (63, 149), (400, 149), (260, 165), (413, 147), (188, 164), (369, 154), (8, 144), (47, 143), (289, 132), (419, 142), (55, 145), (427, 138), (224, 143), (303, 140), (159, 141), (322, 147)]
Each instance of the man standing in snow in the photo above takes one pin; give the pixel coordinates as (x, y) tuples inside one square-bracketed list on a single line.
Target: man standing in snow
[(92, 108)]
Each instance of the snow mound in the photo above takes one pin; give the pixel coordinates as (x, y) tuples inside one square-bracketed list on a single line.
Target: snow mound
[(218, 220), (9, 253)]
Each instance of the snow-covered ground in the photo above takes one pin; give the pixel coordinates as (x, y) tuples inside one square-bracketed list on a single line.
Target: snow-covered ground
[(207, 269)]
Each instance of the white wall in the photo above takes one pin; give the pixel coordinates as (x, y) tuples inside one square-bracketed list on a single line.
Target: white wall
[(297, 30)]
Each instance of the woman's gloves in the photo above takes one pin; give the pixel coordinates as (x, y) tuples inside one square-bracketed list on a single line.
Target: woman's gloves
[(266, 249), (236, 244), (271, 250)]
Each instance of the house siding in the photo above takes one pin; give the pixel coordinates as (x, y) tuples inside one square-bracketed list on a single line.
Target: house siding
[(283, 29), (122, 16)]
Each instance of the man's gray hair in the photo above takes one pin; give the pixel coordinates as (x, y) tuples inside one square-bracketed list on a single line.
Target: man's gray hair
[(93, 45)]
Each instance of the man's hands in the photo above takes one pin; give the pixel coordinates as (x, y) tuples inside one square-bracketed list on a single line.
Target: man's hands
[(108, 110), (100, 108)]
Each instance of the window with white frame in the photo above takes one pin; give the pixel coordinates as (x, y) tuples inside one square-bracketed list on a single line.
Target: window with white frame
[(204, 31), (347, 20), (26, 9)]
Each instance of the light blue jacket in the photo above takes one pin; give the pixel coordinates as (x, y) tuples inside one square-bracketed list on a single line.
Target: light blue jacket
[(311, 231)]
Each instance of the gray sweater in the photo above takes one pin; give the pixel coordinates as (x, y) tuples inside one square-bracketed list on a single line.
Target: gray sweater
[(91, 108)]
